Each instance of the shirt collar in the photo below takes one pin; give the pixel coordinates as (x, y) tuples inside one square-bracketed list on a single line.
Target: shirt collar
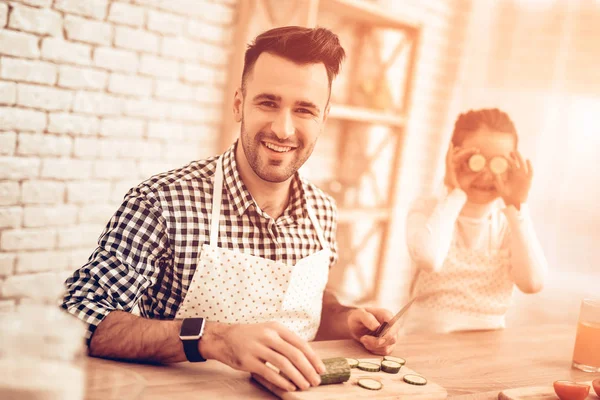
[(240, 197)]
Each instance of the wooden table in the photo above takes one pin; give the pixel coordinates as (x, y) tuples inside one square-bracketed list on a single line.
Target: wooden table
[(475, 365)]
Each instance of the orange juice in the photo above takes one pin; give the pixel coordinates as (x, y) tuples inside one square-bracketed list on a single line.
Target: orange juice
[(587, 344)]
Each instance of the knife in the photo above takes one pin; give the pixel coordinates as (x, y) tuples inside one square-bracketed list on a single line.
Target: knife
[(384, 327)]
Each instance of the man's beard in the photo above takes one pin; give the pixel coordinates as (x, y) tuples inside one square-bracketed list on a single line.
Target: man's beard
[(275, 171)]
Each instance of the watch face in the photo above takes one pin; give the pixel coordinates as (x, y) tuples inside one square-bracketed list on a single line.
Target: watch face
[(192, 327)]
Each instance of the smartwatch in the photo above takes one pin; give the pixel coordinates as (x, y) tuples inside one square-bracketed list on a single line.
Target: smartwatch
[(190, 335)]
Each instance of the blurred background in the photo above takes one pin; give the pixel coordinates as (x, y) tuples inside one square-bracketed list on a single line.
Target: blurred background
[(98, 95)]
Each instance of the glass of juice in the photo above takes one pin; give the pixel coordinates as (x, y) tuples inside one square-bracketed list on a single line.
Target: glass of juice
[(586, 355)]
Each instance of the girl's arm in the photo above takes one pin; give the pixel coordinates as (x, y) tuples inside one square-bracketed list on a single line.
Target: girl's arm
[(528, 264), (429, 231)]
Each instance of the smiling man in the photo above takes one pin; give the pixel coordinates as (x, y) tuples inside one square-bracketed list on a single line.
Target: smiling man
[(228, 258)]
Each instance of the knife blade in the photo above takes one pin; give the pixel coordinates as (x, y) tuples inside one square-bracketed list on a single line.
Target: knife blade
[(386, 326)]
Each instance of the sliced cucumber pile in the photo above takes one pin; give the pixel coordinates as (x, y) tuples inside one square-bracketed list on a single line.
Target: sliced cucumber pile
[(369, 366), (391, 367), (399, 360), (352, 362)]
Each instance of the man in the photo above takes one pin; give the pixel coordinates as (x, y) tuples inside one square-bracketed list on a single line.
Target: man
[(228, 258)]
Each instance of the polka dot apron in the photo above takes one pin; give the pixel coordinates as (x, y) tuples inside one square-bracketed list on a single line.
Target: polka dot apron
[(233, 287)]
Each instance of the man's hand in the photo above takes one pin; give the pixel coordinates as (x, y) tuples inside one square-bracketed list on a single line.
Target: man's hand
[(363, 321), (248, 347)]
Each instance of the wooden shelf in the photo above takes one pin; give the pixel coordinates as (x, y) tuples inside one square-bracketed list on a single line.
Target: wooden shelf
[(363, 214), (369, 116), (368, 12)]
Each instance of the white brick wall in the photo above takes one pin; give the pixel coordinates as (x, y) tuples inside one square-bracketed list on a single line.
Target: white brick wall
[(94, 98)]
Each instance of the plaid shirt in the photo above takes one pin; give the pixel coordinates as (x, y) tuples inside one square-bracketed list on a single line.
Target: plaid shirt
[(148, 252)]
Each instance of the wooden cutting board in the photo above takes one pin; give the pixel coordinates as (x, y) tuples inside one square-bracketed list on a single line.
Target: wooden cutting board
[(393, 387), (538, 393)]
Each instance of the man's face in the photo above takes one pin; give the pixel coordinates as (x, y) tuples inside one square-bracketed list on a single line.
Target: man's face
[(282, 112)]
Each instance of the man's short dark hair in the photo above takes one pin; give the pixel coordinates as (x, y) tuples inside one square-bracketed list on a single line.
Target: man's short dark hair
[(300, 45)]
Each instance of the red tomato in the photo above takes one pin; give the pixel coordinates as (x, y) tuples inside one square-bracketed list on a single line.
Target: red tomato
[(567, 390), (596, 385)]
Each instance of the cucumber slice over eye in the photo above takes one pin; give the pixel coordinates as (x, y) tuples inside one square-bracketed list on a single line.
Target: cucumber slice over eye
[(399, 360), (352, 362), (476, 162), (370, 384), (415, 379), (391, 367), (368, 366), (498, 165)]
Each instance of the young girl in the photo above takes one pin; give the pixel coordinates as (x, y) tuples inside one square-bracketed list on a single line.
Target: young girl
[(469, 249)]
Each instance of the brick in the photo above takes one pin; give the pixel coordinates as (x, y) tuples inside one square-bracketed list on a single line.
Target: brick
[(178, 47), (42, 261), (209, 94), (209, 33), (34, 286), (147, 108), (180, 152), (8, 93), (96, 9), (79, 236), (129, 85), (3, 14), (37, 144), (85, 147), (46, 98), (212, 54), (9, 193), (22, 120), (172, 90), (150, 168), (46, 216), (60, 50), (120, 189), (42, 21), (192, 113), (136, 39), (72, 123), (8, 143), (95, 214), (81, 78), (121, 127), (78, 258), (130, 149), (36, 3), (88, 192), (15, 69), (159, 67), (19, 44), (152, 3), (113, 169), (213, 12), (126, 14), (115, 59), (7, 264), (19, 168), (165, 23), (195, 73), (43, 192), (65, 168), (165, 130), (11, 217), (27, 239), (85, 30), (97, 103)]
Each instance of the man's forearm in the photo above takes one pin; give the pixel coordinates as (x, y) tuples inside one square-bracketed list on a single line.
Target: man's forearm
[(334, 319), (124, 336)]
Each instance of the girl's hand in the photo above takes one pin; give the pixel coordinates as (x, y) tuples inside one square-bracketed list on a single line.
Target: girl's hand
[(516, 188), (455, 159)]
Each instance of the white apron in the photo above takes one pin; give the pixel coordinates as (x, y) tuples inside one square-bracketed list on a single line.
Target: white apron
[(472, 291), (233, 287)]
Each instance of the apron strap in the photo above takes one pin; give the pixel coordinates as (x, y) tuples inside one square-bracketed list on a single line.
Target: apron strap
[(316, 226), (216, 203)]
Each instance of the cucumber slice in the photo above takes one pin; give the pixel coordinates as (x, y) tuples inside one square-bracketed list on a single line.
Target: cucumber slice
[(338, 371), (352, 362), (391, 367), (370, 384), (498, 165), (368, 366), (399, 360), (477, 162), (415, 379)]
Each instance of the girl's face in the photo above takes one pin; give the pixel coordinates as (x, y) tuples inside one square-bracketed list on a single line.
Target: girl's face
[(490, 143)]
